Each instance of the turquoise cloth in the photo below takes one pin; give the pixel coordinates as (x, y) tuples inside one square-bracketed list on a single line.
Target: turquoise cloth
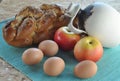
[(108, 66)]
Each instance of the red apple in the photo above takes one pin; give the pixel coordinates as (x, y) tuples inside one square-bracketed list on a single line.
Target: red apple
[(88, 48), (65, 38)]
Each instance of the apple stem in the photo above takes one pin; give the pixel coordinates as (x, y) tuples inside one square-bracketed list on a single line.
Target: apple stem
[(90, 42)]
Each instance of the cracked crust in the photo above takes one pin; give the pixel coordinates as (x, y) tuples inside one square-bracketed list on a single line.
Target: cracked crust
[(33, 25)]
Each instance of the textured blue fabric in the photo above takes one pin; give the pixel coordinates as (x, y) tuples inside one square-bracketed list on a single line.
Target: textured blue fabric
[(108, 66)]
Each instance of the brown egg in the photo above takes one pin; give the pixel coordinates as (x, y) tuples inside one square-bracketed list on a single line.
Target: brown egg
[(54, 66), (32, 56), (85, 69), (49, 47)]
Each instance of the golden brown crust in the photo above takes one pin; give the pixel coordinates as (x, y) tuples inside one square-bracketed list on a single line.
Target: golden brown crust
[(57, 9), (32, 25)]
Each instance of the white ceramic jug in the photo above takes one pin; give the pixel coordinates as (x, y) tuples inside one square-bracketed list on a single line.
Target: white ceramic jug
[(102, 21)]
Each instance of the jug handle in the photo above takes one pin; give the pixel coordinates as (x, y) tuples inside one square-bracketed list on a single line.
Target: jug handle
[(73, 10)]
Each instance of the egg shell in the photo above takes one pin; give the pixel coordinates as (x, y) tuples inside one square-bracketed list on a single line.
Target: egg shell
[(54, 66), (32, 56), (85, 69), (49, 47)]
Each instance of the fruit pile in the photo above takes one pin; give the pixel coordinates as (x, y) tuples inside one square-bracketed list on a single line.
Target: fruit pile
[(87, 51)]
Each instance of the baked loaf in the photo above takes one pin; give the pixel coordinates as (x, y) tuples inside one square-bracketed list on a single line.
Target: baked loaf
[(33, 25)]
